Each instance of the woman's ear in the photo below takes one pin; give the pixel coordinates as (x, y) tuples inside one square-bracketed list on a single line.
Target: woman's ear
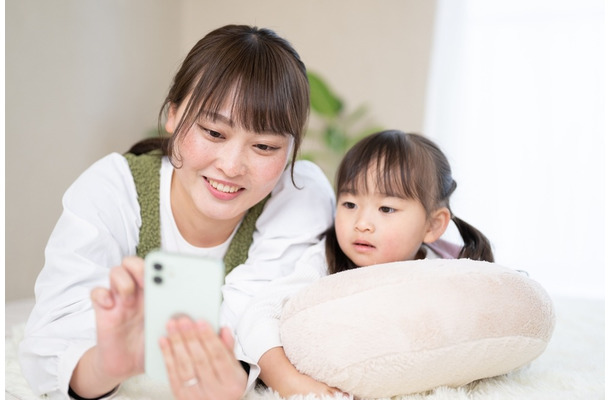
[(172, 119), (437, 224)]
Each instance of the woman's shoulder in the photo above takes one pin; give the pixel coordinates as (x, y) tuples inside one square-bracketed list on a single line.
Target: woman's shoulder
[(308, 171), (306, 177), (309, 201), (107, 177)]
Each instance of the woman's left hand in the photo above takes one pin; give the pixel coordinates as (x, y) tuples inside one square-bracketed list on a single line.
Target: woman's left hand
[(200, 364)]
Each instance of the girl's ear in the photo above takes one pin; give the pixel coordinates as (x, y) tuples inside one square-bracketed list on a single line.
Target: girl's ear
[(437, 224), (172, 119)]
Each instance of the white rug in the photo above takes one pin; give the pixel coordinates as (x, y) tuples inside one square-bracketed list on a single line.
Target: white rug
[(571, 368)]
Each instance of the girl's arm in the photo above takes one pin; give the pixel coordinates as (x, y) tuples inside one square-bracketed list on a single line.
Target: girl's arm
[(292, 221), (260, 324), (280, 375)]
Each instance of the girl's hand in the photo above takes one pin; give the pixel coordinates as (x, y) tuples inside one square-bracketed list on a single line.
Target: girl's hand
[(201, 364), (119, 352), (280, 375), (304, 384)]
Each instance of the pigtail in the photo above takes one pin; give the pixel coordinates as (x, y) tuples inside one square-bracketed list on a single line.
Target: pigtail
[(476, 245)]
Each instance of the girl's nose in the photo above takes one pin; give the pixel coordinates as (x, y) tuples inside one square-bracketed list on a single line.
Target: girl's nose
[(364, 224)]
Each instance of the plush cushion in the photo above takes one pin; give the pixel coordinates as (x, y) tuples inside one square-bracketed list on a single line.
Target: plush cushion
[(408, 327)]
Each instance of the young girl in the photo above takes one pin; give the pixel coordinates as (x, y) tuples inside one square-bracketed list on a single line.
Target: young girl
[(219, 186), (393, 192)]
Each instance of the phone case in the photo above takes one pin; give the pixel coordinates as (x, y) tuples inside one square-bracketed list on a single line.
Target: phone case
[(177, 284)]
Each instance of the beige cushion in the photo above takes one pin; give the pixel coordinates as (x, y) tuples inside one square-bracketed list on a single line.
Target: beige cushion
[(410, 326)]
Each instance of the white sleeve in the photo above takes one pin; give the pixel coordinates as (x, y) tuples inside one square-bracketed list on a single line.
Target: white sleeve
[(258, 329), (293, 220), (98, 227)]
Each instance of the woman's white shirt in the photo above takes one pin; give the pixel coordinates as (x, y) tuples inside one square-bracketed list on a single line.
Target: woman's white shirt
[(99, 226)]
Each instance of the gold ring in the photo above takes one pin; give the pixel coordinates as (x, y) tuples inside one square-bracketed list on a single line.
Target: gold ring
[(191, 382)]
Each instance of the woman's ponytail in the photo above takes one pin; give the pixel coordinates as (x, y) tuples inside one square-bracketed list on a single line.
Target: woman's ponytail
[(476, 245), (149, 144)]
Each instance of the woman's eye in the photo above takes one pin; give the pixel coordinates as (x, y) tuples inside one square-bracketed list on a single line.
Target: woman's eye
[(265, 147), (386, 210), (210, 132), (214, 134)]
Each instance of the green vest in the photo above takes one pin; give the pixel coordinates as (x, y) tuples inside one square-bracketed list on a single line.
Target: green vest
[(146, 171)]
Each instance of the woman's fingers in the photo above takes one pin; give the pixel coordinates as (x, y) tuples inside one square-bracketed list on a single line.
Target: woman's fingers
[(102, 298), (184, 366), (227, 338), (135, 267), (199, 363), (178, 384), (223, 363), (127, 280)]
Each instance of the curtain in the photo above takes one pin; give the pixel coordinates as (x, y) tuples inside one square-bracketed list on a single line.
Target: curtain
[(515, 100)]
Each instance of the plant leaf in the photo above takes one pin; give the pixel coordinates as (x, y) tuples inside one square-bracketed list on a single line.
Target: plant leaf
[(335, 139), (323, 100)]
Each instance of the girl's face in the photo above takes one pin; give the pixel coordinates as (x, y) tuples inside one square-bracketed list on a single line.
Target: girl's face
[(374, 228), (224, 168)]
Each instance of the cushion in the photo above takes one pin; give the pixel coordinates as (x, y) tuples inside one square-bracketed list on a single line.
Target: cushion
[(407, 327)]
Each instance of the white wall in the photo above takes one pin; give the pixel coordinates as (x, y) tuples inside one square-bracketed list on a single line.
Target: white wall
[(86, 77), (519, 112), (374, 53), (83, 78)]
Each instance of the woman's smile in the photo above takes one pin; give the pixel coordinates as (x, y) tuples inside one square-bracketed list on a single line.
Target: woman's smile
[(223, 187), (223, 190)]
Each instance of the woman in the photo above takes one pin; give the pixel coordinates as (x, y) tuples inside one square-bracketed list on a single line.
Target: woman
[(218, 186)]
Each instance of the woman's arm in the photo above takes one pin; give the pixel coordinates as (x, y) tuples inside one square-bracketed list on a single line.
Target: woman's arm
[(98, 227)]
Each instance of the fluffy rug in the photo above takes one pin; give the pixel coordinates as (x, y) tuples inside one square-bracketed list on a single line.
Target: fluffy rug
[(571, 368)]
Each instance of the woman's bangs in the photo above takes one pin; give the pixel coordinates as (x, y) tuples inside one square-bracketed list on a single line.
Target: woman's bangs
[(258, 106), (258, 102)]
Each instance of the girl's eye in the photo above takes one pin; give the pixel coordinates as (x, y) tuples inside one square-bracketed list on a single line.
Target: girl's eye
[(386, 210), (349, 205)]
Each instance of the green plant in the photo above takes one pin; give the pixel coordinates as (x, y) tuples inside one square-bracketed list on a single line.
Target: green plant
[(332, 129)]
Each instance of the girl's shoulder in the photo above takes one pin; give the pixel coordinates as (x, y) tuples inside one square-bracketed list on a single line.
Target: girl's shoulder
[(442, 249)]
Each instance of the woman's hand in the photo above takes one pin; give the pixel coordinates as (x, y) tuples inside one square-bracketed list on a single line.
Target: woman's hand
[(119, 352), (200, 364)]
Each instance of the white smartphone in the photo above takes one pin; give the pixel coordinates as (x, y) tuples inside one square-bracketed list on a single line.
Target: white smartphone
[(177, 284)]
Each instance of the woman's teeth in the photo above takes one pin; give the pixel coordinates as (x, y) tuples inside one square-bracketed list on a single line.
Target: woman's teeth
[(223, 188)]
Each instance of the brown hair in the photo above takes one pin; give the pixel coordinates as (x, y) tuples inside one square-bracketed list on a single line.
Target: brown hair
[(260, 74), (409, 166)]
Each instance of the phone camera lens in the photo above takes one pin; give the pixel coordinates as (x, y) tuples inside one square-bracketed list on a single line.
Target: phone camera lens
[(158, 267), (158, 280)]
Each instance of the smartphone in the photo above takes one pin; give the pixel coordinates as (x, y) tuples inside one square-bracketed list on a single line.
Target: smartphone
[(177, 284)]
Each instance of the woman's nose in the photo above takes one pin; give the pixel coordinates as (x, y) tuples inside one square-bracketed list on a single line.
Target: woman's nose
[(232, 160)]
